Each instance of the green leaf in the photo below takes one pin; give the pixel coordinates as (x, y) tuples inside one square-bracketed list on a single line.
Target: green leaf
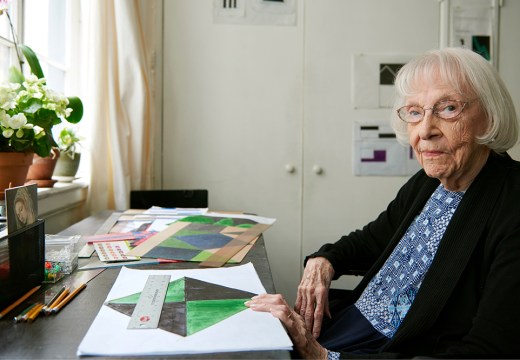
[(32, 106), (33, 61), (45, 119), (44, 145), (15, 75), (77, 109)]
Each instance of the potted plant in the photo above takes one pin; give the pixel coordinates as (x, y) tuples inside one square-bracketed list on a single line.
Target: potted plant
[(28, 111), (68, 162)]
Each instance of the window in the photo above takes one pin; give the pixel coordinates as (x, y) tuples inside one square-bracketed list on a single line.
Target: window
[(7, 53), (46, 26), (45, 31), (51, 29)]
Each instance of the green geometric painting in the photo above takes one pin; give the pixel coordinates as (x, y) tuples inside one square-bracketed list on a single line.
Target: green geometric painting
[(190, 305), (200, 239)]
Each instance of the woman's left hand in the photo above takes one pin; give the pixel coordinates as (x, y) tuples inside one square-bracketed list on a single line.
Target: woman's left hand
[(303, 341)]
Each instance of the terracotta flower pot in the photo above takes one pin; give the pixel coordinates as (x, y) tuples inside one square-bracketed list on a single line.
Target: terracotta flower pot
[(41, 170), (13, 169)]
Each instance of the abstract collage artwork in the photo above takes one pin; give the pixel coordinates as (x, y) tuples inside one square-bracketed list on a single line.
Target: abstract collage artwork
[(190, 305), (198, 238)]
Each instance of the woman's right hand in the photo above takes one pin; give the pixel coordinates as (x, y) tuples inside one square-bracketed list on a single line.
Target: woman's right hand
[(312, 300), (304, 343)]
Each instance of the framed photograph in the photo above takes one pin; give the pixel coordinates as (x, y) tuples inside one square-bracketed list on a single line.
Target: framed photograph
[(22, 207)]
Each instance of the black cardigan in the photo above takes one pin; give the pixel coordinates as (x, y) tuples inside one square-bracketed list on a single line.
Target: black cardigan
[(469, 302)]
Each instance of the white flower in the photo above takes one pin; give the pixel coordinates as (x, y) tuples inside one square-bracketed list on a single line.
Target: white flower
[(3, 118), (8, 96), (7, 133), (17, 121), (55, 97), (34, 87)]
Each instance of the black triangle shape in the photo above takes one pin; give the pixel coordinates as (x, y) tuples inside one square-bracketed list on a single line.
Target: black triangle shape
[(201, 290)]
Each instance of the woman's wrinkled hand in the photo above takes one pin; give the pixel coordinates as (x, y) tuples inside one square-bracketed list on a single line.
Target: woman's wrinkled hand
[(303, 340), (312, 300)]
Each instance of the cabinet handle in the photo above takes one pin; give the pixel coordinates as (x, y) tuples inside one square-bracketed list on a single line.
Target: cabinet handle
[(290, 168), (317, 170)]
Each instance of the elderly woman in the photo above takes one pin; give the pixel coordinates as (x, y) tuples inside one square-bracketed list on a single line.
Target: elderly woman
[(443, 260)]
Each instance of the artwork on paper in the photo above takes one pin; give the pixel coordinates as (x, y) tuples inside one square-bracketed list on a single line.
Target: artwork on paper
[(203, 312), (472, 25), (373, 79), (196, 238), (190, 305), (376, 151)]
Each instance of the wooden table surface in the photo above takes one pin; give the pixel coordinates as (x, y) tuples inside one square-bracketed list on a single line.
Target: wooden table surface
[(58, 336)]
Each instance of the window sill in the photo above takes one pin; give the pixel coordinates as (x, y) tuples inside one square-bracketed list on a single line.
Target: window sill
[(62, 205)]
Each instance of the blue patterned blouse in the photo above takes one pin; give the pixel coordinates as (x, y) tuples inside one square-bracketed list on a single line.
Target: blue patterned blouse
[(388, 296)]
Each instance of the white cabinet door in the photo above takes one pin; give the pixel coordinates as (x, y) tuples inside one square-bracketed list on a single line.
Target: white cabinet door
[(233, 120)]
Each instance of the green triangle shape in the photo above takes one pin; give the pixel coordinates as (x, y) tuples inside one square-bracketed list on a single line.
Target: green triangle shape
[(173, 242), (202, 256), (225, 222), (188, 231), (201, 219), (130, 299), (202, 314), (175, 291)]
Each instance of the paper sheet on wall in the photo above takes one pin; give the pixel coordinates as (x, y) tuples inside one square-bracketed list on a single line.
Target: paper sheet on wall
[(377, 152), (473, 25), (373, 75), (244, 331)]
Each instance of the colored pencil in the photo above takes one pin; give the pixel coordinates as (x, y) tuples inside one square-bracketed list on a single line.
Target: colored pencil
[(62, 296), (18, 302), (69, 298), (51, 301), (32, 311), (20, 317), (33, 314)]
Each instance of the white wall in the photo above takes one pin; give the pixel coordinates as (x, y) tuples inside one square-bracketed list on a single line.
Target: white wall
[(243, 101), (232, 120), (509, 54)]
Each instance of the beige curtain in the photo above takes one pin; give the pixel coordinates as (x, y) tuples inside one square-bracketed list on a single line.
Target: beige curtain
[(117, 102)]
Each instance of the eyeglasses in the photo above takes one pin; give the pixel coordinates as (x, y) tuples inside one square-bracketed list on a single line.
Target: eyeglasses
[(445, 109)]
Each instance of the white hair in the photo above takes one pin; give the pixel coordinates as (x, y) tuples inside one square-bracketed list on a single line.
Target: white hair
[(473, 77)]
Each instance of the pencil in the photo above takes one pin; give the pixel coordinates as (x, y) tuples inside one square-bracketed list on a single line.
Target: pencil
[(25, 317), (69, 298), (34, 313), (20, 317), (56, 296), (62, 296), (18, 302)]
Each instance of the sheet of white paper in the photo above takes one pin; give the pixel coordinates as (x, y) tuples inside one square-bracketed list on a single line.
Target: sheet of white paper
[(246, 331), (156, 210), (161, 224), (258, 219)]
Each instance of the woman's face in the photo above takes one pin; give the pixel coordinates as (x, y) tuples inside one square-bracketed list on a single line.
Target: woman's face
[(446, 149), (21, 211)]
